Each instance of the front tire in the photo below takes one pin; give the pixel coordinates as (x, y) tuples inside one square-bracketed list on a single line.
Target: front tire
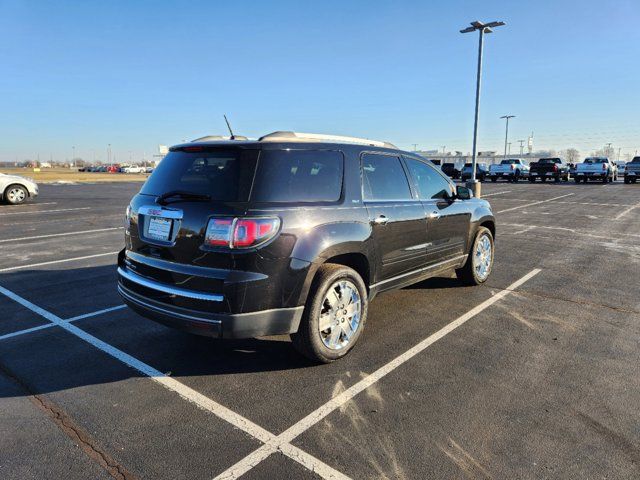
[(15, 194), (480, 260), (334, 315)]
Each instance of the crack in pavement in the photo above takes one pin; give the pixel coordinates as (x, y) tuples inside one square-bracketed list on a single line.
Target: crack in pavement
[(69, 427)]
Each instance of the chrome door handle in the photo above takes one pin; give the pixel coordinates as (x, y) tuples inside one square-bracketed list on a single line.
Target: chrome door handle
[(434, 214), (380, 220)]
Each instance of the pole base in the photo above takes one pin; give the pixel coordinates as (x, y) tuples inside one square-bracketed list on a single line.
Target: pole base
[(475, 186)]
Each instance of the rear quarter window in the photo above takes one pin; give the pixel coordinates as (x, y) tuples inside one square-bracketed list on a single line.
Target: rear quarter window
[(294, 176)]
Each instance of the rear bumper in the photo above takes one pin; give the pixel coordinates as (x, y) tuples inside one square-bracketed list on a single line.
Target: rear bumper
[(592, 174), (212, 324)]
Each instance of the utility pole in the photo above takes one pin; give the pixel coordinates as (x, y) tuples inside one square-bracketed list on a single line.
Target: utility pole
[(415, 147), (521, 147), (506, 133), (482, 28), (509, 148), (444, 147), (109, 154)]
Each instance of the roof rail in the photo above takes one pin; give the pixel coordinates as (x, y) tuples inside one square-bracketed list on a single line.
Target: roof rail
[(285, 136)]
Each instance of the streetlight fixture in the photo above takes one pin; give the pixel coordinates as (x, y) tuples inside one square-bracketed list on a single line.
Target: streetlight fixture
[(482, 28), (506, 133)]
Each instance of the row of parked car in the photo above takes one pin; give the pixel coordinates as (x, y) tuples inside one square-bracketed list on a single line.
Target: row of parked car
[(117, 169), (553, 168)]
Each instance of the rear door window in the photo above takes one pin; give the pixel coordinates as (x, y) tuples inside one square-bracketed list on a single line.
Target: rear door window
[(294, 176), (384, 178)]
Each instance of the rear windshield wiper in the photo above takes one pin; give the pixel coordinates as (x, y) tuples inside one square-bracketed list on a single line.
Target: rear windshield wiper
[(182, 194)]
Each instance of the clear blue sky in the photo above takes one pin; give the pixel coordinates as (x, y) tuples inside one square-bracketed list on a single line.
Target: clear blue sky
[(139, 73)]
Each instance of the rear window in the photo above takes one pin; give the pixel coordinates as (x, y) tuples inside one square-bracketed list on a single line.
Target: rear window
[(635, 160), (298, 176), (225, 175), (595, 160), (549, 160), (509, 162)]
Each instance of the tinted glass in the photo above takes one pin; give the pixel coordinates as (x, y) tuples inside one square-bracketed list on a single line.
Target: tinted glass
[(635, 160), (298, 176), (225, 175), (509, 162), (384, 178), (549, 160), (428, 181)]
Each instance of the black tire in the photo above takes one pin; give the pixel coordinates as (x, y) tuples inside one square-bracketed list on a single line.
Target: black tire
[(634, 180), (543, 179), (15, 194), (557, 179), (467, 274), (494, 179), (532, 179), (307, 339), (516, 178), (627, 180), (576, 179), (605, 179), (567, 178)]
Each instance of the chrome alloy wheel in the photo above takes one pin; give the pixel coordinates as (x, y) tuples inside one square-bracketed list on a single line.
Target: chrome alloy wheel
[(16, 195), (482, 257), (340, 315)]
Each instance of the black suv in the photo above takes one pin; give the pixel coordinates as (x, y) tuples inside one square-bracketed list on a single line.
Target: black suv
[(294, 234)]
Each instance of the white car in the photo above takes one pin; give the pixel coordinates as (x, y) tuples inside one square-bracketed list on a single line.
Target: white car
[(15, 189), (134, 169)]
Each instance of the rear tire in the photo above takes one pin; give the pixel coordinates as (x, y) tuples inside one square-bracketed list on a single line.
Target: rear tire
[(532, 179), (543, 179), (627, 181), (470, 274), (15, 194), (309, 340), (494, 179)]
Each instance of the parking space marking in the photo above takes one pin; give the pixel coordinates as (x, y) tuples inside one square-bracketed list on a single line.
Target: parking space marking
[(46, 211), (52, 262), (37, 237), (535, 203), (30, 205), (496, 193), (597, 204), (286, 437), (566, 229), (187, 393), (50, 325), (622, 214)]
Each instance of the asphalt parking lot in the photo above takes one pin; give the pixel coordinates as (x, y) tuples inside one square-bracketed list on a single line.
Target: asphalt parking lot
[(536, 374)]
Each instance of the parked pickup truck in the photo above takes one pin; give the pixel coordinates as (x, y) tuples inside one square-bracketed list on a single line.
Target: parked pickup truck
[(512, 169), (632, 170), (450, 170), (482, 172), (596, 168), (549, 168)]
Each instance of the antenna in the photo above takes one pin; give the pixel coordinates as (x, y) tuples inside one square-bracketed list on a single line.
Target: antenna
[(229, 127)]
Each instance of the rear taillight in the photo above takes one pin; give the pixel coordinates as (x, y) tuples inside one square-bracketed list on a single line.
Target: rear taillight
[(555, 168), (240, 232), (604, 166), (513, 167)]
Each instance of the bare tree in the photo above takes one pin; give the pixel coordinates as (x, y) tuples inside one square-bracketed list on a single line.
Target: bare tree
[(572, 155)]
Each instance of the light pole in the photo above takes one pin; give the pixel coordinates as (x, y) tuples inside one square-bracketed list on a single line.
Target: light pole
[(482, 28), (506, 133), (521, 147), (109, 154), (73, 156)]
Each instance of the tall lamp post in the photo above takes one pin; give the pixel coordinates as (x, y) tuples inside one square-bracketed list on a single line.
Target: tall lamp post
[(506, 133), (482, 28)]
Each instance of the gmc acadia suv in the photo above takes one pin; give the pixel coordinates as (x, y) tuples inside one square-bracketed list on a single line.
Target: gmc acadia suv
[(294, 234)]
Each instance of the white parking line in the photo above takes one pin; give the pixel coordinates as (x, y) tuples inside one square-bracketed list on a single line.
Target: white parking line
[(187, 393), (535, 203), (49, 325), (52, 262), (286, 437), (45, 211), (30, 205), (622, 214), (495, 193), (21, 239), (528, 227)]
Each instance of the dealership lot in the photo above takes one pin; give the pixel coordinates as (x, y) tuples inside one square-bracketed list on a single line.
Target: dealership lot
[(535, 374)]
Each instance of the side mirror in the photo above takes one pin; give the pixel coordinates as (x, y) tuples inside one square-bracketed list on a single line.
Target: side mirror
[(463, 193)]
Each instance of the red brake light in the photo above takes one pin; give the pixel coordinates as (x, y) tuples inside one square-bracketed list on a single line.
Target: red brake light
[(240, 232), (513, 166), (555, 167), (604, 166), (193, 149)]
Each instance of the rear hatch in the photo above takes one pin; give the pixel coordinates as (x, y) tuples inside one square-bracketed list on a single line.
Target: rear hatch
[(633, 166)]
